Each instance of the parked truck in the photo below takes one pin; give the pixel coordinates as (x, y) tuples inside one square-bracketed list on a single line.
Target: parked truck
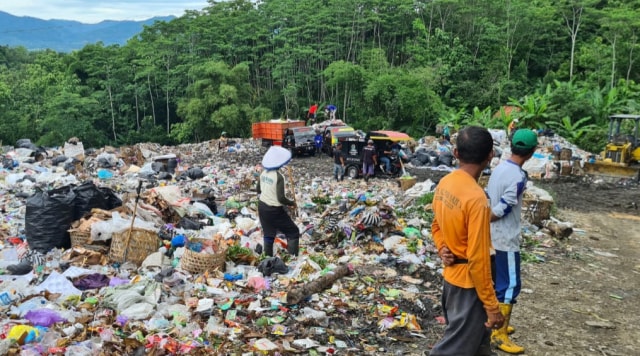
[(273, 132)]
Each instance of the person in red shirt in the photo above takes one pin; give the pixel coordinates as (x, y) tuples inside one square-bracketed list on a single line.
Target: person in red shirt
[(461, 232), (311, 115)]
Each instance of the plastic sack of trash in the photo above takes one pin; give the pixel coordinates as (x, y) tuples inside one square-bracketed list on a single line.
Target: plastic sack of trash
[(138, 311), (103, 230), (13, 178), (48, 217), (44, 317), (85, 348), (195, 173), (89, 196)]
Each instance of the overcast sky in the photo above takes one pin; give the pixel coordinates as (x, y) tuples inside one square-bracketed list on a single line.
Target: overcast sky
[(93, 11)]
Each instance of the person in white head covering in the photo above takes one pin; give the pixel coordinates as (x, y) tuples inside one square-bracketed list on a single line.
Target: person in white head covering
[(273, 217)]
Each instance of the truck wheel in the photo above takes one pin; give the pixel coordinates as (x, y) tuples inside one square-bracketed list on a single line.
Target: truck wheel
[(352, 172), (293, 152)]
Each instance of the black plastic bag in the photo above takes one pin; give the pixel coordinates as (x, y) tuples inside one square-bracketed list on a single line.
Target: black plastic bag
[(164, 176), (48, 217), (446, 158), (104, 163), (89, 196), (211, 203), (7, 163), (195, 173), (172, 163), (26, 143), (272, 265), (58, 159), (158, 167), (189, 224), (70, 168)]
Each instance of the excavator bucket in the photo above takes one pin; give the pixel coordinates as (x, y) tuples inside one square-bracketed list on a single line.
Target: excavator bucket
[(611, 170)]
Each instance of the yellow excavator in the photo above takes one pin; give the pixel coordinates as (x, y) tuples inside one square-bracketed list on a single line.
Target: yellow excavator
[(621, 155)]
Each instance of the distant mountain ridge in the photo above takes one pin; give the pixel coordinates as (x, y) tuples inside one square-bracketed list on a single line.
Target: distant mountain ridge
[(65, 35)]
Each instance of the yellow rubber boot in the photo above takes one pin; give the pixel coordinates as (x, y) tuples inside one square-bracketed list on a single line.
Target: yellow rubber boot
[(500, 337), (510, 330)]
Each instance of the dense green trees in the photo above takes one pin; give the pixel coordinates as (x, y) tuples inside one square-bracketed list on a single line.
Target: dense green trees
[(395, 64)]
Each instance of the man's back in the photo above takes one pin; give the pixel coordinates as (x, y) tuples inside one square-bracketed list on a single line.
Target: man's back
[(368, 152), (507, 184), (462, 215)]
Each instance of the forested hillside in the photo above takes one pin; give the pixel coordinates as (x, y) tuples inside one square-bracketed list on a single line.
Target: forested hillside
[(396, 64), (64, 35)]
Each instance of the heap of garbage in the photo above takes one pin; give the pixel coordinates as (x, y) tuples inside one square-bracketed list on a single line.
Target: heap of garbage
[(156, 249), (555, 156)]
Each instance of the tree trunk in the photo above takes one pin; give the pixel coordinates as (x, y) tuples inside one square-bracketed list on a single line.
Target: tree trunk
[(297, 295), (113, 115), (630, 60), (166, 95), (613, 60), (137, 111), (573, 27), (344, 102), (153, 107)]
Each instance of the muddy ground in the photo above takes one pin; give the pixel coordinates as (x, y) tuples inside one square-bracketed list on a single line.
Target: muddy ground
[(584, 299)]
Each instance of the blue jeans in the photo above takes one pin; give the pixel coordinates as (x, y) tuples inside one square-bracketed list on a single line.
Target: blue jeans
[(338, 171), (387, 163)]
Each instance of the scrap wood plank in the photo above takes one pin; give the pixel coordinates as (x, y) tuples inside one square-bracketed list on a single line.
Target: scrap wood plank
[(624, 216)]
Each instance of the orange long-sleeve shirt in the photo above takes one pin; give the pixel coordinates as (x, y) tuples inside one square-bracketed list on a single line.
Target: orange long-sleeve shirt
[(462, 216)]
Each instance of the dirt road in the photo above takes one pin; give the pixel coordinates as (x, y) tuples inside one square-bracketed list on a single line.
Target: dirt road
[(585, 298)]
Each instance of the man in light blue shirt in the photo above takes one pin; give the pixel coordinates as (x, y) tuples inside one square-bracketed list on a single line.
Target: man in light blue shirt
[(505, 189)]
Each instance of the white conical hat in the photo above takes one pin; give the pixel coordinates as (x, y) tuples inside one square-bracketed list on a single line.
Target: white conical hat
[(275, 158)]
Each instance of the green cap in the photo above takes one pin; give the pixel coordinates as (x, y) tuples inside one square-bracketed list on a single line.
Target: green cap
[(524, 138)]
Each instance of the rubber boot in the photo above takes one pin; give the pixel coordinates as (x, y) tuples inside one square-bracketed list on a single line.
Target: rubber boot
[(500, 337), (293, 247), (268, 246)]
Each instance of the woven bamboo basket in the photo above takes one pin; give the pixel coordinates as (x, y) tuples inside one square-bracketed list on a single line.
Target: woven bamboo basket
[(536, 211), (199, 262), (141, 244), (406, 183), (79, 238)]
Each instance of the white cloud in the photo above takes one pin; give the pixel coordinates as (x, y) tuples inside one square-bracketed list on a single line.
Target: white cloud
[(93, 11)]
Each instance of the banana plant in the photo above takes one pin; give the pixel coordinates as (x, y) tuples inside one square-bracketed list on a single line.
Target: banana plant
[(533, 109), (484, 118), (572, 131), (455, 119)]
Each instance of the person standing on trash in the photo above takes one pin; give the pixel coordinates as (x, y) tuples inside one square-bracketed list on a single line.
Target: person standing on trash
[(369, 160), (331, 109), (338, 162), (512, 128), (271, 212), (311, 114), (506, 186), (461, 234), (446, 133), (222, 142)]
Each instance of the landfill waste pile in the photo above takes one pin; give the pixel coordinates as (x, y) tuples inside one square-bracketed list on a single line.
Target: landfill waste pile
[(152, 249)]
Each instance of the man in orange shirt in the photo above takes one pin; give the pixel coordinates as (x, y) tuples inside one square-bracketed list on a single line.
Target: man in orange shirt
[(461, 232)]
